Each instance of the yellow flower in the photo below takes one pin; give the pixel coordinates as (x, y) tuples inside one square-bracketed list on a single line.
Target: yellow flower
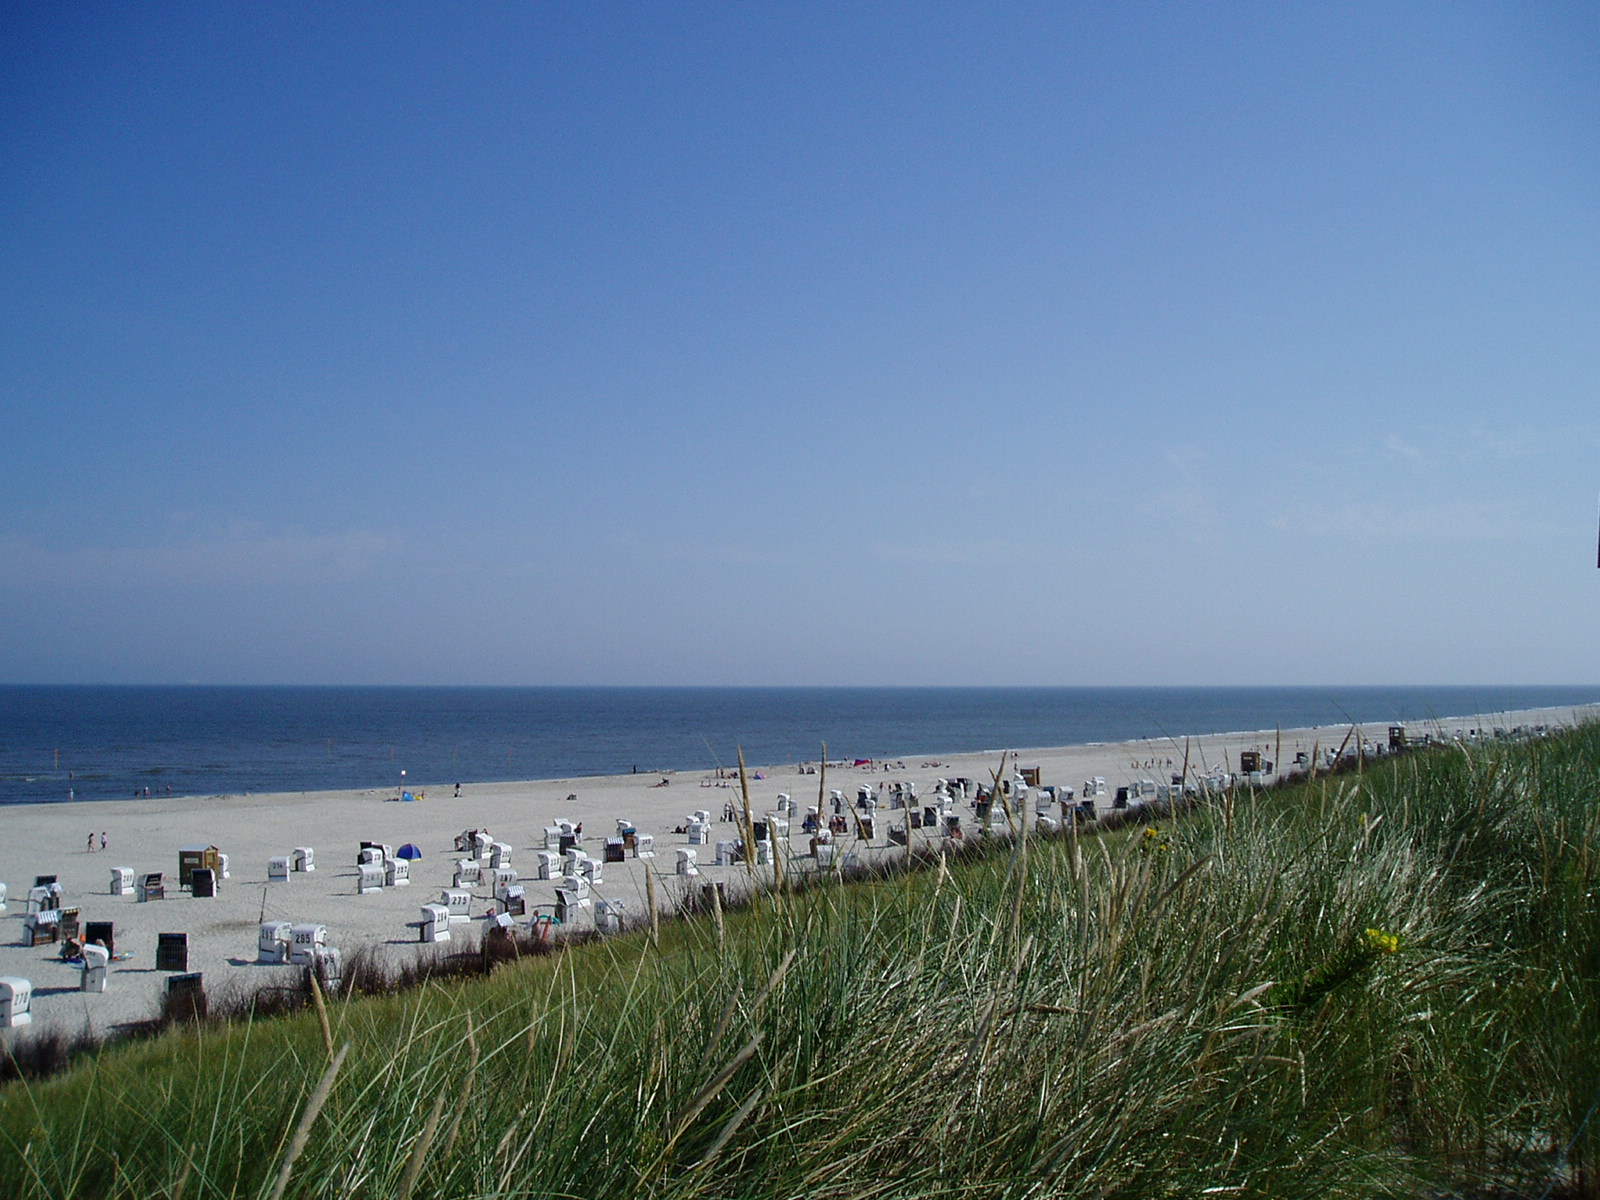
[(1383, 943)]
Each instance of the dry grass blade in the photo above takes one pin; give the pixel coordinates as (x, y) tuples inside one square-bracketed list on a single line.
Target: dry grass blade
[(302, 1132), (703, 1098), (747, 822), (729, 1128), (466, 1092), (322, 1009), (419, 1154), (1177, 884)]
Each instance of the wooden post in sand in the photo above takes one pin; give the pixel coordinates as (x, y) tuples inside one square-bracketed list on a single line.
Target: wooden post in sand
[(650, 902)]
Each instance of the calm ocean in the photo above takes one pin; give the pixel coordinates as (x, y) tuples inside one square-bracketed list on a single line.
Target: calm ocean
[(111, 742)]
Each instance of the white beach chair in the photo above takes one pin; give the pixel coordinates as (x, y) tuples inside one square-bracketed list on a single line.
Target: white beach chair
[(303, 859), (644, 846), (550, 864), (16, 999), (458, 902), (369, 878), (305, 940), (278, 869), (96, 966), (121, 881), (397, 872), (686, 862), (274, 942), (435, 923), (609, 915)]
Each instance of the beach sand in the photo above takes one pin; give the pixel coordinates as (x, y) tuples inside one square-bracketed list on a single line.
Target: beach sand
[(145, 835)]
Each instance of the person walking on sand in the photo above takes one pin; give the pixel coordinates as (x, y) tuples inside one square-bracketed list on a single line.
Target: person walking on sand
[(102, 839), (91, 843)]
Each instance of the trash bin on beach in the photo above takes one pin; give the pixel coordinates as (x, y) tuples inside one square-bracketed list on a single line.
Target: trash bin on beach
[(101, 932), (172, 951), (16, 1001), (186, 997)]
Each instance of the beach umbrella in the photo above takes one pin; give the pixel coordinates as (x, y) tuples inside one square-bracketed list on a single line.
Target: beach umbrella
[(409, 850)]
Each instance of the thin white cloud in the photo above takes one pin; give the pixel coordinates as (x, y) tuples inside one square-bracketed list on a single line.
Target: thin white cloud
[(1397, 445), (1456, 521)]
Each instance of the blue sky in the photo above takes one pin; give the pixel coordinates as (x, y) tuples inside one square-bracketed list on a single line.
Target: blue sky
[(799, 343)]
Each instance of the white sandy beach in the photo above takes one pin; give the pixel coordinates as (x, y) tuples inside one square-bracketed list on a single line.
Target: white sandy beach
[(145, 835)]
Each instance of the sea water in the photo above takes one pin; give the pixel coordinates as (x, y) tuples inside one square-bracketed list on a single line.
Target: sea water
[(97, 743)]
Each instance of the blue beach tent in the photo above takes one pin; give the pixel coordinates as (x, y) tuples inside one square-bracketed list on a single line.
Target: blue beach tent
[(409, 850)]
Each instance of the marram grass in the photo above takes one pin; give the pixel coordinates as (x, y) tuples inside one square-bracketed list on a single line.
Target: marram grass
[(1372, 985)]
